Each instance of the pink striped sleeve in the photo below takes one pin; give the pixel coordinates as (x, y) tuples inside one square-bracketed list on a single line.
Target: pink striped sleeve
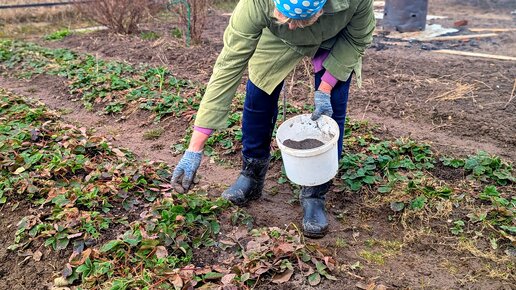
[(205, 131), (329, 78)]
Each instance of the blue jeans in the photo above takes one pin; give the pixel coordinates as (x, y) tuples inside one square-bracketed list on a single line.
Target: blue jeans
[(261, 111)]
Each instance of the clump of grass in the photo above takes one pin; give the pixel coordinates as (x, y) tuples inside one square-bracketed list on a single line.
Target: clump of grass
[(153, 134), (341, 243), (379, 250), (149, 35), (372, 257), (58, 35)]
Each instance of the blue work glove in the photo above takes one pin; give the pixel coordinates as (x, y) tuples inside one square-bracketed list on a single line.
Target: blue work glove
[(322, 105), (184, 173)]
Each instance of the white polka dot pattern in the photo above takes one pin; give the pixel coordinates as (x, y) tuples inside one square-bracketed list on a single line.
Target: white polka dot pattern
[(299, 9)]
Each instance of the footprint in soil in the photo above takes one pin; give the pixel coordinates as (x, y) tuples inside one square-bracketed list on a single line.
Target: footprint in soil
[(303, 144)]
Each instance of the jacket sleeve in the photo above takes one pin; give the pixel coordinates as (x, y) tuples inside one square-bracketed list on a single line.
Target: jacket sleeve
[(240, 41), (351, 42)]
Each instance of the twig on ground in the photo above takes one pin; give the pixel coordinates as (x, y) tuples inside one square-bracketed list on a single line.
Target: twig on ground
[(365, 110), (437, 127), (512, 94), (355, 275), (481, 82)]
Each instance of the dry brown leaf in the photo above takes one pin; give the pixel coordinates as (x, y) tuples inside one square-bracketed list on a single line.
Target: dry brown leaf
[(282, 277), (209, 286), (227, 278), (61, 282), (37, 256), (370, 286), (227, 242), (220, 269), (261, 270), (84, 255), (330, 263), (380, 287), (253, 246), (74, 236), (177, 281), (161, 252), (118, 152), (240, 233), (283, 248), (202, 271)]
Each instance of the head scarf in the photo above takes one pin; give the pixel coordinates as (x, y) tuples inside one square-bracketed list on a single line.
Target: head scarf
[(299, 9)]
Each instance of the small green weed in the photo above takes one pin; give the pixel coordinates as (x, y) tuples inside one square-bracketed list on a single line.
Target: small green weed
[(176, 32), (149, 35), (340, 243), (458, 227)]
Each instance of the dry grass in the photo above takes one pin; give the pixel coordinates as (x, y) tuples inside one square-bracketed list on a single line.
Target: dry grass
[(470, 247), (461, 91)]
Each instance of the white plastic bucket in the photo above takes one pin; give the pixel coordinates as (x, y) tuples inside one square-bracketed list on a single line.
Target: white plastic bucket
[(309, 167)]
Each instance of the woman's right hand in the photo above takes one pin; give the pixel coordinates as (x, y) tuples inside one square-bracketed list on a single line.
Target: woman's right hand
[(184, 173)]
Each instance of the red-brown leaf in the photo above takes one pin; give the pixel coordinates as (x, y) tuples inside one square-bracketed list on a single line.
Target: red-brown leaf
[(227, 278)]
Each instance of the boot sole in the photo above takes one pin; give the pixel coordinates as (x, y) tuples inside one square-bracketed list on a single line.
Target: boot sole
[(246, 203), (315, 235)]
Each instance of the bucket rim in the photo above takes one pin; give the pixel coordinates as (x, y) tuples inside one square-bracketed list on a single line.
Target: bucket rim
[(314, 151)]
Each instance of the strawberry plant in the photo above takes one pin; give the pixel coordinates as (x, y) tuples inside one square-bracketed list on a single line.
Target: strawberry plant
[(113, 85), (484, 167), (384, 160)]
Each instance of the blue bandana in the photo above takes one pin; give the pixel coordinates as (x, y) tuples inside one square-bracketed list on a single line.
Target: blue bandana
[(299, 9)]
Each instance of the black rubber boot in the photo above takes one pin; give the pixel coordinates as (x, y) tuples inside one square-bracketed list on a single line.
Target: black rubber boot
[(312, 198), (249, 184)]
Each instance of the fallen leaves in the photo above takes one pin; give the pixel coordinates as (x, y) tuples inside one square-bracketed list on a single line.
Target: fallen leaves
[(280, 278), (161, 252), (82, 182)]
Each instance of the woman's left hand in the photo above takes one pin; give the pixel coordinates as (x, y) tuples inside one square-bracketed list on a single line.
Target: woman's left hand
[(322, 102)]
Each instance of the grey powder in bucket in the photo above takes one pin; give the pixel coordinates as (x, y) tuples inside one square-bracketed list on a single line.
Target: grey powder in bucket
[(303, 144)]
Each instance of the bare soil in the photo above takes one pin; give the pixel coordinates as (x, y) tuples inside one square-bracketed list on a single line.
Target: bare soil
[(408, 91), (21, 270)]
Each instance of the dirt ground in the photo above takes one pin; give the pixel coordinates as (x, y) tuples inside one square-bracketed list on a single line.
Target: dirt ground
[(458, 104)]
